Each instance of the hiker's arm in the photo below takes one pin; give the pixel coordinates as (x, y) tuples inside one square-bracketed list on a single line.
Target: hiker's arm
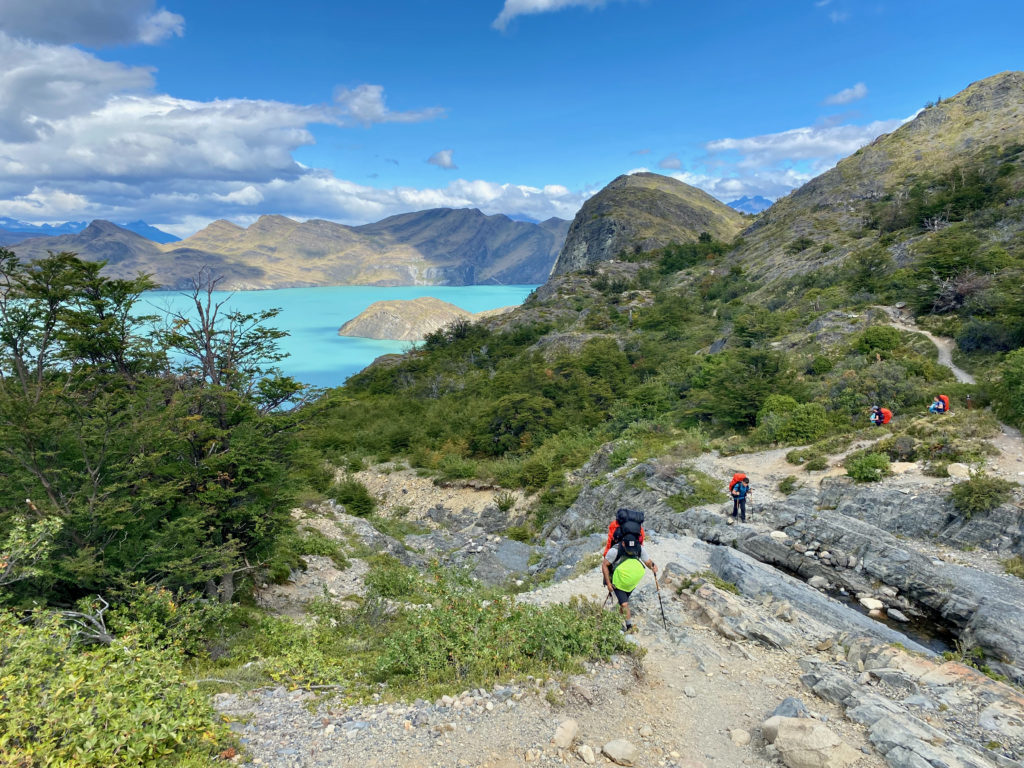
[(650, 564), (607, 575)]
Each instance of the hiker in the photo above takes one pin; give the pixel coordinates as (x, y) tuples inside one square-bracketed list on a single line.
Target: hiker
[(738, 489), (940, 404), (623, 568), (879, 415)]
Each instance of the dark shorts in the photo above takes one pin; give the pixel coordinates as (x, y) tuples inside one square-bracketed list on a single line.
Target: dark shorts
[(622, 597)]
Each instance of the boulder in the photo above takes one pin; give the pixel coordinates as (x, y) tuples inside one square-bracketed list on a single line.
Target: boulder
[(805, 743), (565, 734), (620, 751), (959, 471)]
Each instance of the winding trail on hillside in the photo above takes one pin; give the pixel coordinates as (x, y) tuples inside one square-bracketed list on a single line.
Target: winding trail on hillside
[(945, 346)]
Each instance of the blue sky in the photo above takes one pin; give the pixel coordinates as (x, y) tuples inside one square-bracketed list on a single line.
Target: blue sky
[(195, 110)]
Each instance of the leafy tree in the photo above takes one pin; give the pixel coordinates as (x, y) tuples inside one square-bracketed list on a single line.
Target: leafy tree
[(138, 470)]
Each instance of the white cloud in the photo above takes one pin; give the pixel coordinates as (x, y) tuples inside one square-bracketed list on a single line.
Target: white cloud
[(443, 159), (640, 152), (515, 8), (821, 146), (838, 17), (845, 96), (671, 162), (89, 22), (365, 104)]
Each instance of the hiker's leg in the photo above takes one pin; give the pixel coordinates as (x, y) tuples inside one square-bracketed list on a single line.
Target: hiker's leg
[(628, 614), (735, 504), (743, 510)]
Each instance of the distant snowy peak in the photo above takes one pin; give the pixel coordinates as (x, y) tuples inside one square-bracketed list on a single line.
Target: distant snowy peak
[(747, 204)]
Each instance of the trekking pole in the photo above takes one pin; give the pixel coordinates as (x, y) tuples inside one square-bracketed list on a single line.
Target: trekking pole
[(658, 588)]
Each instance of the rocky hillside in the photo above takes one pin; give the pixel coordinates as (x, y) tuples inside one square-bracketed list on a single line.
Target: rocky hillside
[(641, 212), (436, 247), (933, 156)]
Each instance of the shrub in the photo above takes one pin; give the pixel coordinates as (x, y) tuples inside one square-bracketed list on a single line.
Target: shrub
[(1014, 566), (867, 467), (801, 455), (878, 338), (123, 704), (816, 464), (389, 578), (819, 365), (798, 245), (354, 496), (789, 484), (1009, 392), (981, 493), (505, 501)]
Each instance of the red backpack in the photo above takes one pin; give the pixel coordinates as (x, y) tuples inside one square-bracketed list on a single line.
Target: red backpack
[(886, 415), (945, 402)]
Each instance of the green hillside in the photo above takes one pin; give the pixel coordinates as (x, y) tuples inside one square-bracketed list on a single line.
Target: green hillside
[(161, 468)]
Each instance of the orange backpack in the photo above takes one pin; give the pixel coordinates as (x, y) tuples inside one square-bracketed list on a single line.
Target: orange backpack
[(735, 479), (886, 415), (945, 402)]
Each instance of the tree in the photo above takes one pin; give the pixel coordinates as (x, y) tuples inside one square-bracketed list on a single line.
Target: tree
[(142, 470)]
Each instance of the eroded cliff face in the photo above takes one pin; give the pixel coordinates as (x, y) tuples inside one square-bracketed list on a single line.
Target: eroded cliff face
[(639, 213)]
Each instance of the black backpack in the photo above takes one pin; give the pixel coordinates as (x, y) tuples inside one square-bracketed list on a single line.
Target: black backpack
[(631, 526)]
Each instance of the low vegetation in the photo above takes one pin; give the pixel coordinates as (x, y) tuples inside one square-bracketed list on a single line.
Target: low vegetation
[(982, 493)]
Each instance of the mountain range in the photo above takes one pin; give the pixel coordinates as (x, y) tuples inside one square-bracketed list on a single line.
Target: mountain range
[(442, 246), (14, 231), (748, 204)]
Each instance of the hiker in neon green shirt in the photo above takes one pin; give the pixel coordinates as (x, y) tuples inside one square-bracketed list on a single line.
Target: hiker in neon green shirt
[(623, 568)]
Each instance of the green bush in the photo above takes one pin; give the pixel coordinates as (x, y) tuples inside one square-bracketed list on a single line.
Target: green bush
[(820, 365), (125, 704), (867, 467), (982, 493), (878, 338), (1014, 566), (389, 578), (354, 496), (1009, 392), (816, 464), (789, 484)]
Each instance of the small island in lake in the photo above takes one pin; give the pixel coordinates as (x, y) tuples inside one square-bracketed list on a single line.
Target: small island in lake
[(408, 319)]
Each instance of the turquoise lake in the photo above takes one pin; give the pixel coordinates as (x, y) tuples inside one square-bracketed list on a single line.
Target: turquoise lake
[(312, 316)]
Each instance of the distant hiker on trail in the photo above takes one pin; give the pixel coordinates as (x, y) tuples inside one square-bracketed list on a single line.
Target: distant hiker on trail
[(739, 487), (623, 568), (879, 415), (940, 404)]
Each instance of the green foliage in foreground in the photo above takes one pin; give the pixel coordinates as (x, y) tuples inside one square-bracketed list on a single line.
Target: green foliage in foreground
[(982, 493), (126, 704), (464, 637)]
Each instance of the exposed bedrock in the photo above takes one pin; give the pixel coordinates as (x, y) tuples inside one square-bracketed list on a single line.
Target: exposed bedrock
[(850, 546)]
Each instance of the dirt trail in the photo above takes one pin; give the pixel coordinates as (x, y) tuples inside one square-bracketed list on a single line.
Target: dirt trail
[(945, 346)]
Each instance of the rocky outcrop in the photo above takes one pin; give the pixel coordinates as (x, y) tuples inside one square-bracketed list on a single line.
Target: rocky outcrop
[(641, 212), (403, 320)]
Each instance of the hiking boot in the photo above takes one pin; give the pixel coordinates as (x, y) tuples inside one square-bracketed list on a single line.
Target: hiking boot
[(743, 519), (628, 627)]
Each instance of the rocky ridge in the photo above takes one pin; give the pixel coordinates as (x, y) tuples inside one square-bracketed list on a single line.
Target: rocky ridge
[(641, 212)]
